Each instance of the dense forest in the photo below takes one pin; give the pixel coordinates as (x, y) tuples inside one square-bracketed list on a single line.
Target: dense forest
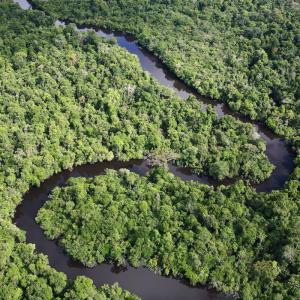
[(70, 98), (218, 237), (243, 52)]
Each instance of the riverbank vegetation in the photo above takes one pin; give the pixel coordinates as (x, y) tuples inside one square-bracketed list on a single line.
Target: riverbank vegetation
[(69, 98), (24, 274), (33, 123), (243, 52), (183, 229), (93, 102)]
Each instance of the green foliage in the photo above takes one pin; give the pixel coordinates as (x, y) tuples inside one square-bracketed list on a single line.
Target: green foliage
[(184, 229), (84, 289), (25, 274), (243, 52), (67, 99)]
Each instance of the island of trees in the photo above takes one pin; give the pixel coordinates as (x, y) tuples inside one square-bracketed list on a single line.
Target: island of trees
[(220, 237)]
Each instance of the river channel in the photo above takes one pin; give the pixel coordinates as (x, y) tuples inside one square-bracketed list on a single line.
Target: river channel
[(140, 281)]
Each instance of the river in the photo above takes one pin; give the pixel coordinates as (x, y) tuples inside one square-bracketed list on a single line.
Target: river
[(140, 281)]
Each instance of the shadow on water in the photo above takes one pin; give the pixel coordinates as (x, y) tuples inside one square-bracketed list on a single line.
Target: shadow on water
[(141, 281)]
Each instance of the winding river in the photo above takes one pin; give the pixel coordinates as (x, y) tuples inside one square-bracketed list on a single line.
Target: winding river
[(140, 281)]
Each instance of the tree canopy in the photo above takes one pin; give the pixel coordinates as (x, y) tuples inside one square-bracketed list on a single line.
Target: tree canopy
[(243, 52), (70, 98), (220, 237)]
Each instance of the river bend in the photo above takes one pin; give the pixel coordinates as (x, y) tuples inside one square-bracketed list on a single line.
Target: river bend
[(141, 281)]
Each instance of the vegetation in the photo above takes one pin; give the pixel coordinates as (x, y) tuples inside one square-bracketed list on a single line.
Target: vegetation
[(69, 98), (243, 52), (25, 274), (221, 237)]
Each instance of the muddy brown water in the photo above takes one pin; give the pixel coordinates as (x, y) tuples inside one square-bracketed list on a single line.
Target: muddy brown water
[(140, 281)]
